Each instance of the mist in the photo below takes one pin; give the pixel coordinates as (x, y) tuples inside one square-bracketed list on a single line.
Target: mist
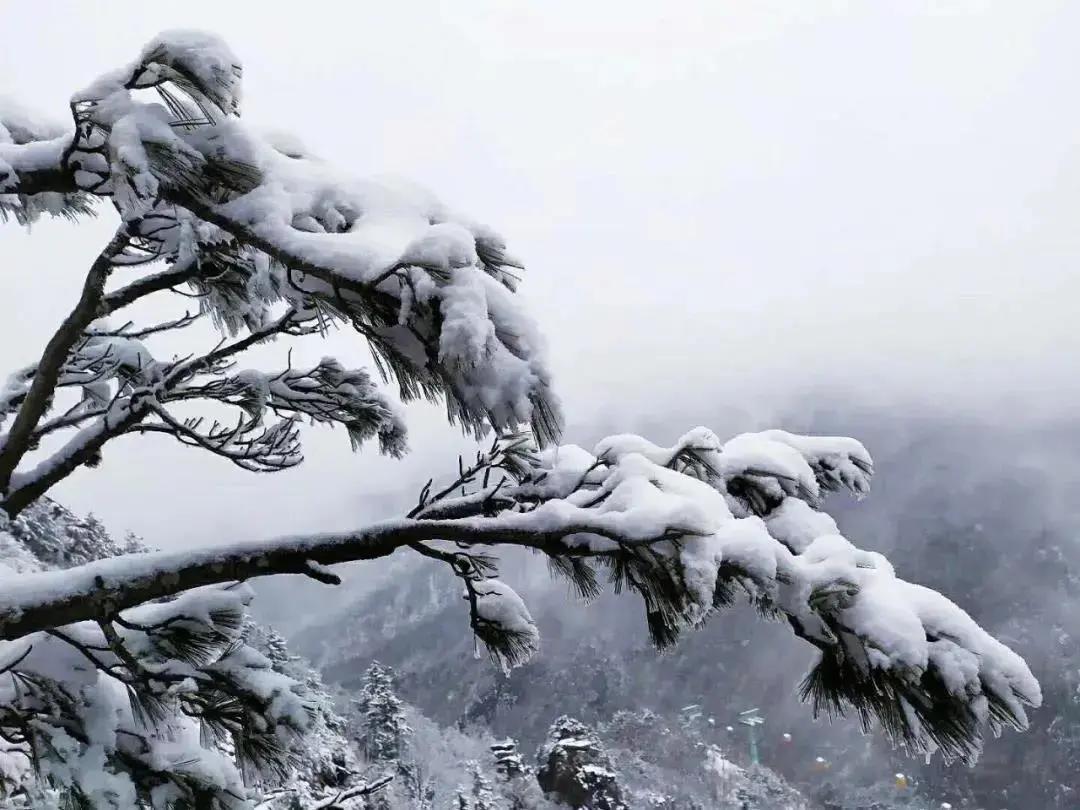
[(748, 206), (835, 218), (984, 511)]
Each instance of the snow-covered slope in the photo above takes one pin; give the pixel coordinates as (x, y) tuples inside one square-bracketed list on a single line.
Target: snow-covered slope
[(986, 514), (47, 536)]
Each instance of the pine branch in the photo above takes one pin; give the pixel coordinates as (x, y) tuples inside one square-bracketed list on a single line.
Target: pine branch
[(19, 438), (101, 589), (128, 331), (84, 447), (30, 176), (224, 351), (247, 446), (179, 273)]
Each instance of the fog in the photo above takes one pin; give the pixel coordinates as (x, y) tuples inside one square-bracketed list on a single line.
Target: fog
[(834, 217), (743, 206)]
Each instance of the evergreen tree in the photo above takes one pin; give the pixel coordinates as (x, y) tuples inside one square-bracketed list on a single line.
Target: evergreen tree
[(382, 728), (382, 733), (277, 650), (324, 764), (517, 784), (764, 790)]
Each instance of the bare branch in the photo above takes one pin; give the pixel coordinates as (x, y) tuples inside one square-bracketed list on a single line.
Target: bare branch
[(70, 419), (223, 352), (338, 800), (179, 273), (128, 332)]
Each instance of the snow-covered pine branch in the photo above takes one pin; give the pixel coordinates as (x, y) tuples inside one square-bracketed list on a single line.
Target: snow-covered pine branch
[(250, 224), (33, 179), (274, 244), (674, 525)]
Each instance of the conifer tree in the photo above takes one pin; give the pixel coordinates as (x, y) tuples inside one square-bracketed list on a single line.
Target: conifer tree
[(517, 785), (477, 794), (277, 247), (383, 730)]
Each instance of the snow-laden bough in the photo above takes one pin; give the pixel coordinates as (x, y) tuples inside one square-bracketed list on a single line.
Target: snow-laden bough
[(274, 243)]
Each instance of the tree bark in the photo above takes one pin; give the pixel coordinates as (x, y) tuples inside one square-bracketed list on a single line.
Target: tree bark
[(40, 480), (19, 437), (98, 590)]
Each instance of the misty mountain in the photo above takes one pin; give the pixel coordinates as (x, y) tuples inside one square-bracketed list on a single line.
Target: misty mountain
[(985, 512)]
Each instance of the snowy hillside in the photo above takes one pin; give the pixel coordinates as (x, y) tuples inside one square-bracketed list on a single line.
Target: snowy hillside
[(47, 535), (1007, 524)]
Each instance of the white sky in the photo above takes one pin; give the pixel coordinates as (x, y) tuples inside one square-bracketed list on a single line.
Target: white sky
[(717, 201)]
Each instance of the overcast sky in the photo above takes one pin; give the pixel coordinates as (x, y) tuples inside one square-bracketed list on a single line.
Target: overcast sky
[(728, 202)]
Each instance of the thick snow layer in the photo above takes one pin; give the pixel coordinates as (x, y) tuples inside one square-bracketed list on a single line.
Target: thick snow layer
[(796, 524), (99, 738), (19, 124), (500, 607), (355, 247), (198, 62), (795, 559)]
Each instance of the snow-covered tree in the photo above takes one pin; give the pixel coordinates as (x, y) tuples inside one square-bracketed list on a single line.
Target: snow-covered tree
[(126, 682), (380, 716), (516, 782), (441, 760), (884, 795), (324, 764), (761, 789)]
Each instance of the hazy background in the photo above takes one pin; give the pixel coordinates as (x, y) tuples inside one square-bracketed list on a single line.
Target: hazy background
[(840, 217), (748, 206)]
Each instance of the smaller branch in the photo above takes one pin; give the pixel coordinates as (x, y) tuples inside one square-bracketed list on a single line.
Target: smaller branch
[(275, 448), (179, 273), (127, 332), (116, 644), (88, 652), (17, 661), (321, 573), (336, 802), (19, 438), (83, 447), (70, 419), (98, 590), (223, 352)]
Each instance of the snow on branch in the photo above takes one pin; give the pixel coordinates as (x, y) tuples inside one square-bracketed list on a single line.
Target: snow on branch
[(666, 524), (429, 289), (33, 180), (275, 244), (326, 393), (248, 226), (126, 390), (114, 707)]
